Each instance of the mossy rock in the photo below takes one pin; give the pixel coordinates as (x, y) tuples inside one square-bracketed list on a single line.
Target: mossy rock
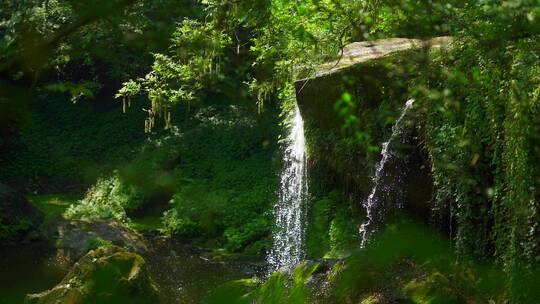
[(105, 275), (74, 238), (349, 108)]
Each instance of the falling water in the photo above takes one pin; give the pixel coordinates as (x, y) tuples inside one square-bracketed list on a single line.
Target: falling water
[(366, 228), (289, 210)]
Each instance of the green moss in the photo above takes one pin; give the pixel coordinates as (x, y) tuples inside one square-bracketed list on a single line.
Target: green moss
[(77, 140), (482, 135), (146, 224), (53, 205), (343, 234), (213, 182), (476, 107), (321, 212), (95, 243)]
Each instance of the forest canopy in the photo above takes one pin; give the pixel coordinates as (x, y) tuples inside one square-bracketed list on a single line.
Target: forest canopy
[(265, 44)]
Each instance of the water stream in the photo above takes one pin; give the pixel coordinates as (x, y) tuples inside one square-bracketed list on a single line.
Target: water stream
[(289, 212), (181, 272), (370, 204)]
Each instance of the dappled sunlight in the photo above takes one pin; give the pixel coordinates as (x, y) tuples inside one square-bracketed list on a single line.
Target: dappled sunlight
[(269, 151)]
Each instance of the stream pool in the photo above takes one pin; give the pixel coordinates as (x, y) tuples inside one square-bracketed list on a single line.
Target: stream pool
[(181, 273), (27, 268), (184, 275)]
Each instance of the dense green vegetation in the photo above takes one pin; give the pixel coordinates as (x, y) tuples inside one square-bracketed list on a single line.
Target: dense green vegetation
[(167, 116), (217, 174), (494, 155)]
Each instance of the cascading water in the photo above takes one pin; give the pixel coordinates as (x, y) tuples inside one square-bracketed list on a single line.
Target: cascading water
[(366, 229), (289, 210)]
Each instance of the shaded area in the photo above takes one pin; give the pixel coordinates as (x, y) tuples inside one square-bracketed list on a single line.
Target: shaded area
[(27, 268)]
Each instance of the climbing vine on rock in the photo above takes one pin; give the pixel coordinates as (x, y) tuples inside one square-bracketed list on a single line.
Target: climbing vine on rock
[(482, 134)]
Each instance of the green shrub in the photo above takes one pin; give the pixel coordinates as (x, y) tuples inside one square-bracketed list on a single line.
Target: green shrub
[(66, 146), (110, 198), (226, 179), (238, 238), (343, 233), (179, 224), (482, 136), (321, 212)]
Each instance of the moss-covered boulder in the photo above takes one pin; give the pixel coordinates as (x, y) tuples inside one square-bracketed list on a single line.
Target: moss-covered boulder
[(74, 238), (105, 275), (350, 108), (17, 216)]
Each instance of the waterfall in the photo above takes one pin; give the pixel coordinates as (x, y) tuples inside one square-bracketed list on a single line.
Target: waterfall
[(366, 229), (289, 212)]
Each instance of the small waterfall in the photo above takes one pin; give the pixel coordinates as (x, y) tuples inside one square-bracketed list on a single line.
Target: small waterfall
[(289, 210), (366, 229)]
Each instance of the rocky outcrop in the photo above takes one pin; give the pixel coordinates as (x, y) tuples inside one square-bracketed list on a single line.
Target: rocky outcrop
[(105, 275), (18, 218), (74, 238), (370, 71), (360, 52), (361, 93)]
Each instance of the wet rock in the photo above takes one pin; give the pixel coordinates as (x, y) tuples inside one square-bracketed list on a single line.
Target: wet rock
[(18, 218), (104, 275), (368, 71), (365, 51), (190, 274), (74, 238), (376, 77)]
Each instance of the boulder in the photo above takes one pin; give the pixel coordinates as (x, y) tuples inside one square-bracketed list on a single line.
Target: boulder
[(370, 71), (104, 275), (18, 218), (374, 77), (74, 238)]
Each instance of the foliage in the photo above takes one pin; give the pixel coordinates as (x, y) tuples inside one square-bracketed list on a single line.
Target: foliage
[(280, 288), (228, 185), (320, 217), (407, 263), (110, 197), (332, 230), (478, 103), (106, 40), (217, 173), (53, 206), (488, 109), (428, 273), (343, 233), (176, 77), (480, 100), (65, 147)]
